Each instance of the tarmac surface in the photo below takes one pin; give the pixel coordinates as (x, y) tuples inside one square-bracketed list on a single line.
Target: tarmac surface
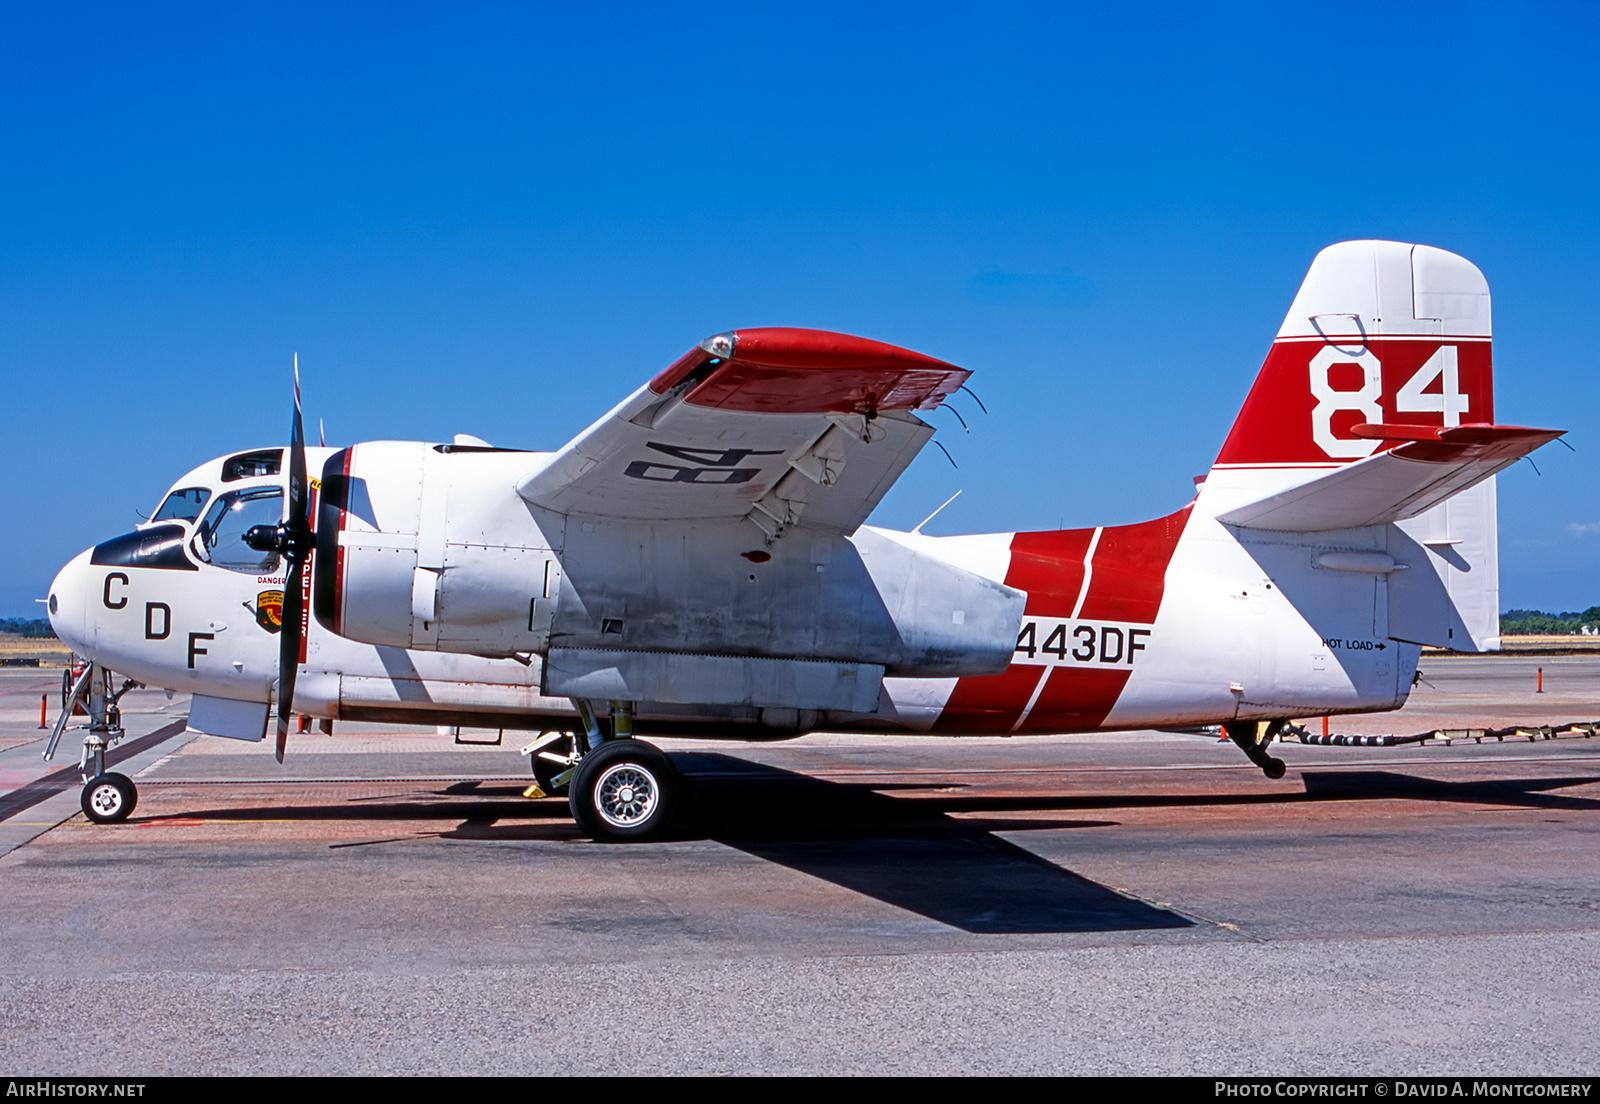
[(386, 902)]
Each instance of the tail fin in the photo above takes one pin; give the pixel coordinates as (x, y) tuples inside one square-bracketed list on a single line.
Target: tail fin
[(1381, 333), (1376, 406)]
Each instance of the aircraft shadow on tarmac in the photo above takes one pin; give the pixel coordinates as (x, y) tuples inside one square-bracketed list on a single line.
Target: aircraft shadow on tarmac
[(1527, 793), (909, 851), (906, 853)]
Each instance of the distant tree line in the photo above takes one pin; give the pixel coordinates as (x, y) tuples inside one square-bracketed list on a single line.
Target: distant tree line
[(1520, 622), (16, 626)]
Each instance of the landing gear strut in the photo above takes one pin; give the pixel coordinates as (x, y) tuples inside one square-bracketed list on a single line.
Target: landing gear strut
[(555, 756), (554, 761), (1253, 738), (107, 797)]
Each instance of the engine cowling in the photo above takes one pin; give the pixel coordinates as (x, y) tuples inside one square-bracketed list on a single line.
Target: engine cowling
[(427, 546)]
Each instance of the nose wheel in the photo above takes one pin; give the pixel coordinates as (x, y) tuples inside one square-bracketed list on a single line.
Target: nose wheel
[(109, 798)]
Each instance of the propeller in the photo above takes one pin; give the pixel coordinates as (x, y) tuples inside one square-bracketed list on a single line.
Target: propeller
[(292, 539)]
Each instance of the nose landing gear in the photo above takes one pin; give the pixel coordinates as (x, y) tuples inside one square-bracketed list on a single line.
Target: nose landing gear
[(107, 797)]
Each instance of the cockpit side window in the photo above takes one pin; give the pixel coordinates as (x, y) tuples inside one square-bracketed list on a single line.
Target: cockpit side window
[(219, 538), (249, 465), (183, 505)]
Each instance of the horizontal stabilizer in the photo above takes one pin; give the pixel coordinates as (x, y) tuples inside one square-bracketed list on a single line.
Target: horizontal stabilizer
[(1431, 464)]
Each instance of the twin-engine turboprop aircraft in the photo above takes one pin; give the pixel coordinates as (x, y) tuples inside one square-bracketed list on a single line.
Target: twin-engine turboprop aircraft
[(696, 562)]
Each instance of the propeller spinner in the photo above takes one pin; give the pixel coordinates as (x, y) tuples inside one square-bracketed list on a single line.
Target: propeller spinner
[(292, 539)]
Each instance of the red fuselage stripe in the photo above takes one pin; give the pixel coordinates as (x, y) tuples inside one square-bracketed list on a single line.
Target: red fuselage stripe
[(1127, 578)]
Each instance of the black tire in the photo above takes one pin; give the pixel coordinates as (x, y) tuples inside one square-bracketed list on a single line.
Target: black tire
[(624, 790), (109, 798), (1274, 768), (544, 771)]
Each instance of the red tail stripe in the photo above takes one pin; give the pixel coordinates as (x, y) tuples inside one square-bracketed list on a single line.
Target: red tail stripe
[(1275, 425), (1076, 699)]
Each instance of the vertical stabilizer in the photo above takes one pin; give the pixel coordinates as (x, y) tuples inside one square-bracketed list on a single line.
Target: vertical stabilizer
[(1381, 334), (1374, 413)]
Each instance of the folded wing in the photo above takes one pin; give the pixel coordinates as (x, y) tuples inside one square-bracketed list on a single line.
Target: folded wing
[(781, 426)]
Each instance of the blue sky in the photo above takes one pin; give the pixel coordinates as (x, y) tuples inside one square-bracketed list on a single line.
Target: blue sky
[(499, 220)]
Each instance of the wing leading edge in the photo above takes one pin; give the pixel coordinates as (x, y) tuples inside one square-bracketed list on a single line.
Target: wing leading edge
[(781, 426)]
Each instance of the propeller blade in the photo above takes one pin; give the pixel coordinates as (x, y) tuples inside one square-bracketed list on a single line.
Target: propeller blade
[(297, 545), (289, 648), (299, 491)]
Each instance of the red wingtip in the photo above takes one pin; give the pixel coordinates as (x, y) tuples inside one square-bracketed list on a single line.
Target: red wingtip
[(784, 370)]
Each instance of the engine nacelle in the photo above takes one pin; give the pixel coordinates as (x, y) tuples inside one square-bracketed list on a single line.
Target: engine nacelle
[(429, 547)]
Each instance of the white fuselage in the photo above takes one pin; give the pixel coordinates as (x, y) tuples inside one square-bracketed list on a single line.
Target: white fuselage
[(1243, 624)]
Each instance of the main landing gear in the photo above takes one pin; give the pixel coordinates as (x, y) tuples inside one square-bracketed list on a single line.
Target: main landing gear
[(617, 787), (1253, 737), (624, 790), (107, 796)]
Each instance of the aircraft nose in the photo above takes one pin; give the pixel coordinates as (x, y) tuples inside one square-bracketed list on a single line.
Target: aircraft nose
[(69, 605)]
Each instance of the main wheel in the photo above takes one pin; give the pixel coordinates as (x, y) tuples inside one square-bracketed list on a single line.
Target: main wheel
[(624, 790), (109, 798), (550, 761), (1274, 768)]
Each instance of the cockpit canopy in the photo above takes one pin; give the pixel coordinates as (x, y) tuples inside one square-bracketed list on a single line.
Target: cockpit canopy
[(252, 465), (215, 516), (188, 498)]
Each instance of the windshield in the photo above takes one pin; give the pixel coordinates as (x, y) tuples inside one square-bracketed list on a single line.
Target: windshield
[(219, 539), (183, 505)]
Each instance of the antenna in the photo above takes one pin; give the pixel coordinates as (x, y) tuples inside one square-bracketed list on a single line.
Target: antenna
[(935, 514)]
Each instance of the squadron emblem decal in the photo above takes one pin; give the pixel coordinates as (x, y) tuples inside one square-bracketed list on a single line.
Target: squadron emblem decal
[(269, 610)]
